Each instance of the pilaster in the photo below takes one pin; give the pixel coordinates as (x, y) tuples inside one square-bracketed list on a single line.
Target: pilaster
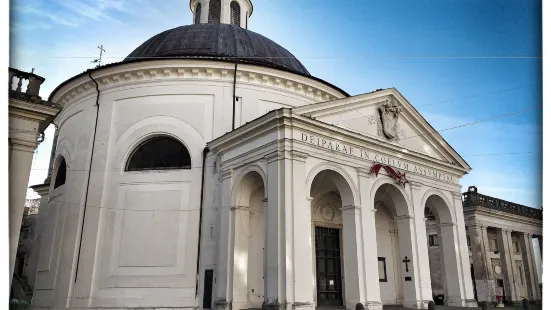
[(504, 242), (529, 272), (368, 234), (485, 283), (224, 267)]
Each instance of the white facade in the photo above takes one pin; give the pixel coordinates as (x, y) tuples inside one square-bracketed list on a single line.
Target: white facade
[(277, 159), (120, 252)]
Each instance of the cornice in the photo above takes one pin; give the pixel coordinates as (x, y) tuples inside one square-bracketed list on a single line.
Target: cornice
[(285, 118), (299, 156), (385, 148), (350, 208), (192, 70), (226, 174), (363, 172), (435, 139)]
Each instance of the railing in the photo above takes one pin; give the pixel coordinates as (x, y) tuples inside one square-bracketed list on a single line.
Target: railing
[(473, 199), (33, 86)]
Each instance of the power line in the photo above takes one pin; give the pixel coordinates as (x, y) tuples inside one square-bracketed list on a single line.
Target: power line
[(302, 57), (474, 96), (475, 122)]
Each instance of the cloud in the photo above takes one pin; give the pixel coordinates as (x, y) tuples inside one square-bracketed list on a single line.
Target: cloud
[(72, 13)]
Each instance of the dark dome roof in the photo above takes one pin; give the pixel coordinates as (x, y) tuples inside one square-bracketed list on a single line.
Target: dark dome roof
[(218, 41)]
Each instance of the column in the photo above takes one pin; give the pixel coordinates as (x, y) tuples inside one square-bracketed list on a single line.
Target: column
[(224, 266), (529, 272), (540, 239), (455, 282), (420, 251), (465, 283), (241, 233), (483, 276), (275, 276), (507, 264), (411, 275), (537, 278), (20, 160), (353, 256), (371, 290), (302, 258)]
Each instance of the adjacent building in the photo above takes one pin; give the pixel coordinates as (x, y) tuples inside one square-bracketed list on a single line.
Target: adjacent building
[(28, 117), (504, 240)]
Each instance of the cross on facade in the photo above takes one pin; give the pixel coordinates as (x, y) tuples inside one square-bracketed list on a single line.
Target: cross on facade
[(406, 260)]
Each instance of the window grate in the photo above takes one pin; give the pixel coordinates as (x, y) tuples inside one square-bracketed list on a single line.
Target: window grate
[(198, 14), (214, 11), (235, 14), (160, 153)]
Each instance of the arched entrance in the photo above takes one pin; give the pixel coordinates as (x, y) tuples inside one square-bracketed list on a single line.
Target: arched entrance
[(335, 259), (395, 241), (444, 251), (248, 218)]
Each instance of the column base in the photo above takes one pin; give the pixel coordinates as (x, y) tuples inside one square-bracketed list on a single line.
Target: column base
[(222, 304), (240, 305), (274, 305), (485, 290), (373, 305), (466, 303), (416, 304), (304, 305)]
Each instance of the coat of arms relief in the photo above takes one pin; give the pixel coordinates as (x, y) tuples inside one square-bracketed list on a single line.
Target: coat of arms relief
[(386, 120), (327, 210)]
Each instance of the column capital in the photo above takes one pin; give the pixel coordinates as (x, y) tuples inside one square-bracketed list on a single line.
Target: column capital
[(299, 156), (350, 208), (415, 185), (274, 156), (525, 234), (226, 174), (457, 195), (240, 208), (404, 217), (363, 172), (447, 225), (41, 189)]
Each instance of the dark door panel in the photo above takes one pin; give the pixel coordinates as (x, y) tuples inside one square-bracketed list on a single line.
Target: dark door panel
[(328, 267)]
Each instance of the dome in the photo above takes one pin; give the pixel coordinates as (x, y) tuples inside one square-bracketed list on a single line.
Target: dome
[(221, 41)]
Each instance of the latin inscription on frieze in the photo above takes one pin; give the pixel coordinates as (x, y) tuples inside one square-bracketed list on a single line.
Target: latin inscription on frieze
[(374, 157)]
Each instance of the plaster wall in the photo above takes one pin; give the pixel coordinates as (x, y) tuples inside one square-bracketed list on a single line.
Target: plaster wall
[(119, 257)]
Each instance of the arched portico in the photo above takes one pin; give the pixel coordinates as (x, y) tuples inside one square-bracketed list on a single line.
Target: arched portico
[(437, 208), (248, 226), (400, 256), (336, 240)]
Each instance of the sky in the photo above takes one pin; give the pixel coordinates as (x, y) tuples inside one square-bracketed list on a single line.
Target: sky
[(457, 61)]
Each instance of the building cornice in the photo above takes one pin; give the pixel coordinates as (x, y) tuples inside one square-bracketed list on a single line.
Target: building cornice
[(152, 71), (285, 118)]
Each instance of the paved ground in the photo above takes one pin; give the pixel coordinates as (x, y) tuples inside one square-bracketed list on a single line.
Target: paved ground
[(532, 307)]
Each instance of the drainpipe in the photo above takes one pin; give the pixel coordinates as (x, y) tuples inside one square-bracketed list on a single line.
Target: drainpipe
[(204, 168), (89, 173)]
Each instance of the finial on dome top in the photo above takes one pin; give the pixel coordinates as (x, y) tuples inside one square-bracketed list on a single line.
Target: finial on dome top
[(234, 12)]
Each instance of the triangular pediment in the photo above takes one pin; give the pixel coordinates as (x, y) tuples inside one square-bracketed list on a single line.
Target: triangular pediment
[(375, 115)]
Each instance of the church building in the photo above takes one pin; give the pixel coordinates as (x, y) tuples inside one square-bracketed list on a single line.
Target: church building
[(209, 169)]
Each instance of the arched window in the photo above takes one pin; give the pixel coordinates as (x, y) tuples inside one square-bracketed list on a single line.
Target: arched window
[(235, 13), (198, 13), (61, 174), (159, 153), (214, 11)]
